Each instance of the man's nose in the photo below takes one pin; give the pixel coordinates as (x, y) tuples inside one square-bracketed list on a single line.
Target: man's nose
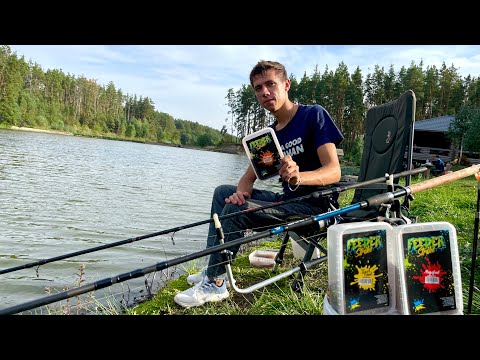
[(265, 91)]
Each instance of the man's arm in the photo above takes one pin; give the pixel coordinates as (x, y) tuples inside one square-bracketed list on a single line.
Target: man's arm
[(245, 184), (244, 188), (328, 173)]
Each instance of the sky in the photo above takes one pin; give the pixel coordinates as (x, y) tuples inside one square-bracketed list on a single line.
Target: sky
[(190, 82)]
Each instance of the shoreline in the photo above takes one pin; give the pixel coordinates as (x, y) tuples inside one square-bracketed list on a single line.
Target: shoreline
[(228, 148), (41, 130)]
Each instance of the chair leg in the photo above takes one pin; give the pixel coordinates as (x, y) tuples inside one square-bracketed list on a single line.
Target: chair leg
[(297, 284), (279, 257)]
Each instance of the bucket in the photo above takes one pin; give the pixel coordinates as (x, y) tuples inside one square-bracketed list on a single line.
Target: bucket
[(299, 248)]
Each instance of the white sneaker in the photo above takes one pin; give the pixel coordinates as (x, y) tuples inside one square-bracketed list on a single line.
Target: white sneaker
[(203, 292), (190, 291), (202, 275)]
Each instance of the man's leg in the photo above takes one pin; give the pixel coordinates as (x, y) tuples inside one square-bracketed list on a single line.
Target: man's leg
[(206, 290), (234, 226), (218, 204)]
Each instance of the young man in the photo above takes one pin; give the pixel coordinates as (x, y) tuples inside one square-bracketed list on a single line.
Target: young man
[(308, 137)]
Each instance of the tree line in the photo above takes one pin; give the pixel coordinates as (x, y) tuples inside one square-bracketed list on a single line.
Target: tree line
[(347, 97), (51, 99), (54, 100)]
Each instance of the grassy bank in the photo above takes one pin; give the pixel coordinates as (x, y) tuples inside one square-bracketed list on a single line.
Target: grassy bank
[(454, 202)]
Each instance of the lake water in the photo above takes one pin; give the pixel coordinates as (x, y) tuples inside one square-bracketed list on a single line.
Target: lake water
[(60, 194)]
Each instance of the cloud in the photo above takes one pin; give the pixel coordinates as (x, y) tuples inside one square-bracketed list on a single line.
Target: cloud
[(190, 82)]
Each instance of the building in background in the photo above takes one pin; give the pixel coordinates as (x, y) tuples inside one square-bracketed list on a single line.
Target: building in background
[(430, 139)]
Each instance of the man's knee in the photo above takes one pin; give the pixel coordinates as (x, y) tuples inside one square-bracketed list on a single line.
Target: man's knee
[(224, 191), (232, 208)]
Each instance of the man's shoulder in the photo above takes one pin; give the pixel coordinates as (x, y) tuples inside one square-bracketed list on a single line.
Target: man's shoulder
[(312, 111), (308, 107)]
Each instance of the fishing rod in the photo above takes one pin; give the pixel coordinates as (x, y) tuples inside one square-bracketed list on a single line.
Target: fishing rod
[(316, 194), (375, 200), (474, 247)]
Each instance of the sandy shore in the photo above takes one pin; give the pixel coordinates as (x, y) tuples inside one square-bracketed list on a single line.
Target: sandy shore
[(40, 130)]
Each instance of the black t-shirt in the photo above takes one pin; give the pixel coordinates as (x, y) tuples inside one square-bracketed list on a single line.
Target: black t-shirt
[(311, 127)]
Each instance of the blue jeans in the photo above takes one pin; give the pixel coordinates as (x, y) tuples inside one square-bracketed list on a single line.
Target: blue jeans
[(233, 227)]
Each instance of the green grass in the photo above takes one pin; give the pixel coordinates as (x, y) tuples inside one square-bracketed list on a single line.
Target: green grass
[(275, 299), (454, 202)]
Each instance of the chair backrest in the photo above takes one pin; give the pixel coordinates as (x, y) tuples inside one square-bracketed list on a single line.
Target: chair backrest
[(388, 132)]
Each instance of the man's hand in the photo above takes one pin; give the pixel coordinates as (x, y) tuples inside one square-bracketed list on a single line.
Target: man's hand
[(238, 198), (290, 171)]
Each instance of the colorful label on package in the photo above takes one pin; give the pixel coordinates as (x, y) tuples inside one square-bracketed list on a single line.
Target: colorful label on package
[(365, 271), (265, 156), (428, 271)]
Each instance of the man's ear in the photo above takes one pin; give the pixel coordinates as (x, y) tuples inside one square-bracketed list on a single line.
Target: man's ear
[(287, 84)]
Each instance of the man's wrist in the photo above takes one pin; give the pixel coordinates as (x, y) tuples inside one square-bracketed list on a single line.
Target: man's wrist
[(296, 184)]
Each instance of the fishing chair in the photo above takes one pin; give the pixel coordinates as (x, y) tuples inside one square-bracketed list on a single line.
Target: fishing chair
[(389, 131), (388, 135)]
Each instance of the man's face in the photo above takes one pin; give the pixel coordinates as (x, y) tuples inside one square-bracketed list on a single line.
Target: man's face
[(270, 90)]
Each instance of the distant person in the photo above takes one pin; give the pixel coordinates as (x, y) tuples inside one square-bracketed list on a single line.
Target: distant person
[(439, 166), (313, 162)]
